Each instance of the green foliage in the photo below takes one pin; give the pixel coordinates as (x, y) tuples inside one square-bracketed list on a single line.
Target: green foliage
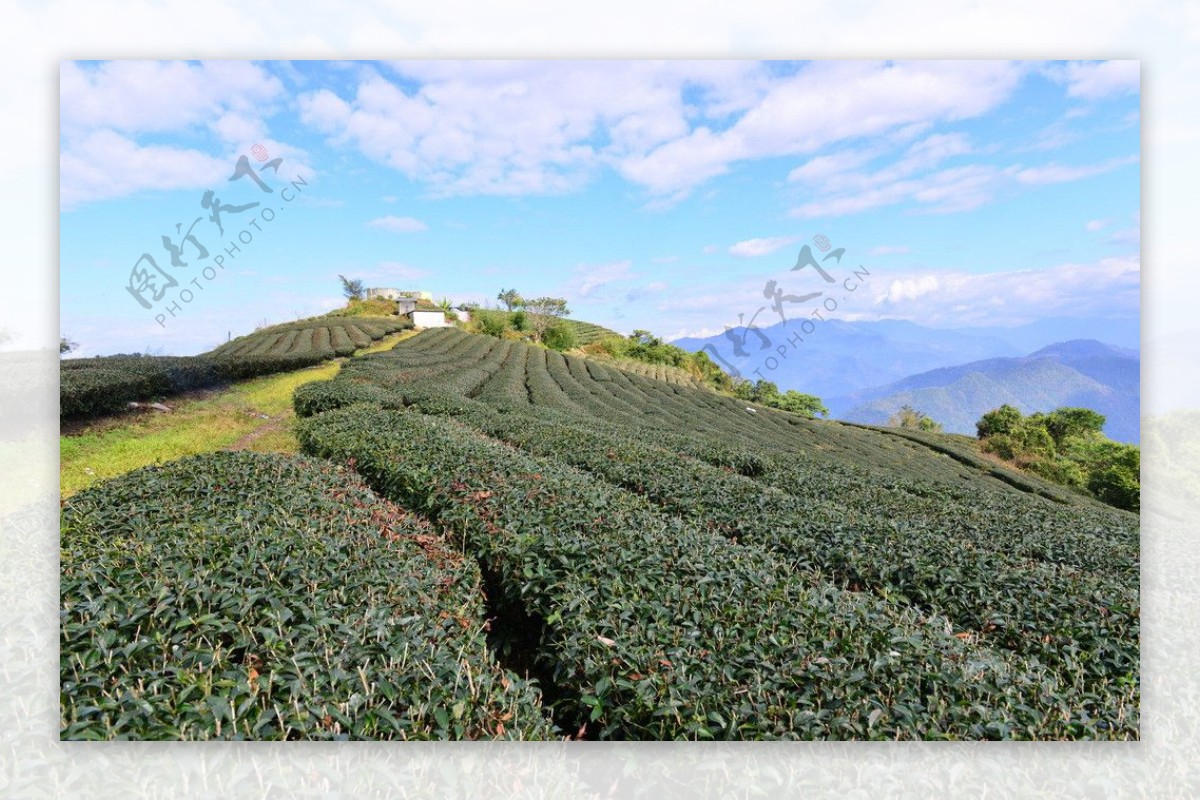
[(670, 363), (353, 290), (1003, 420), (1060, 470), (687, 570), (767, 393), (65, 345), (247, 596), (1117, 485), (370, 307), (908, 417), (559, 337), (489, 322), (1066, 447), (802, 404), (1067, 422), (1004, 445), (693, 564), (542, 313), (511, 298)]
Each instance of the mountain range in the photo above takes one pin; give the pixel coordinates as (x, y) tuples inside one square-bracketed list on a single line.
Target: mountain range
[(864, 371), (1076, 373)]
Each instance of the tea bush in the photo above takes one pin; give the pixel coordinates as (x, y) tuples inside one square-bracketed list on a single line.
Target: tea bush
[(252, 596)]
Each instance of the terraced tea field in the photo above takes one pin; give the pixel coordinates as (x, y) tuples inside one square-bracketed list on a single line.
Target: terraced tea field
[(103, 385), (325, 337), (662, 561)]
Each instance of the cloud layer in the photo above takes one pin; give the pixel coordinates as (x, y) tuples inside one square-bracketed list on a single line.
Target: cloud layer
[(111, 113)]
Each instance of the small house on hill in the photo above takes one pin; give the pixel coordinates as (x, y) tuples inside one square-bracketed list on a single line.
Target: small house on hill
[(407, 300)]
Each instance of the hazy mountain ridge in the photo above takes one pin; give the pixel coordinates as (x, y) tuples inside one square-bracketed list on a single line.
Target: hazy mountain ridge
[(839, 358), (1076, 373)]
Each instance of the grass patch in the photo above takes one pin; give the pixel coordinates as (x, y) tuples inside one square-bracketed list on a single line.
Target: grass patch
[(387, 343), (231, 419)]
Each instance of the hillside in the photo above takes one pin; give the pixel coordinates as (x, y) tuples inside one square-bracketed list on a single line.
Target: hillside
[(618, 512), (663, 562), (1082, 373), (106, 384)]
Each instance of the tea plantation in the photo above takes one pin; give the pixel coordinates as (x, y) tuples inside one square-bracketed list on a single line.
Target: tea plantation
[(103, 385), (253, 596), (662, 562)]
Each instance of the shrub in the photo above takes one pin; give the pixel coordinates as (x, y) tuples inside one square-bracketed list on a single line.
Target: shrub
[(1067, 422), (908, 417), (1117, 485), (1060, 471), (1003, 420), (559, 337), (370, 307), (1003, 445), (491, 323)]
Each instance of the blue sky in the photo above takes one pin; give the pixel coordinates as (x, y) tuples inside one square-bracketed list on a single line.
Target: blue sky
[(658, 195)]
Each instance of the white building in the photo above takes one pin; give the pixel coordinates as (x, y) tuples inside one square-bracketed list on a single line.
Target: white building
[(428, 319)]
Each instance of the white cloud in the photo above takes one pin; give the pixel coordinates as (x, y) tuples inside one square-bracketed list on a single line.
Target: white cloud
[(106, 164), (761, 247), (592, 277), (1059, 173), (1097, 80), (823, 168), (398, 225), (664, 259), (135, 97), (902, 289), (1096, 225), (694, 333), (1101, 288), (825, 103), (107, 110), (513, 128), (945, 297), (589, 282), (888, 250), (953, 189)]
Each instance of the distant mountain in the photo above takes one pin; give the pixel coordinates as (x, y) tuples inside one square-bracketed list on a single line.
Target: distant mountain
[(1076, 373), (840, 358)]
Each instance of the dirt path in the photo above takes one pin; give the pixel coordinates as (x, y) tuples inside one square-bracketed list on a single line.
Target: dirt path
[(268, 427)]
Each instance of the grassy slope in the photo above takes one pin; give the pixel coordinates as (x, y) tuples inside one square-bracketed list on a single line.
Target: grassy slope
[(229, 419)]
